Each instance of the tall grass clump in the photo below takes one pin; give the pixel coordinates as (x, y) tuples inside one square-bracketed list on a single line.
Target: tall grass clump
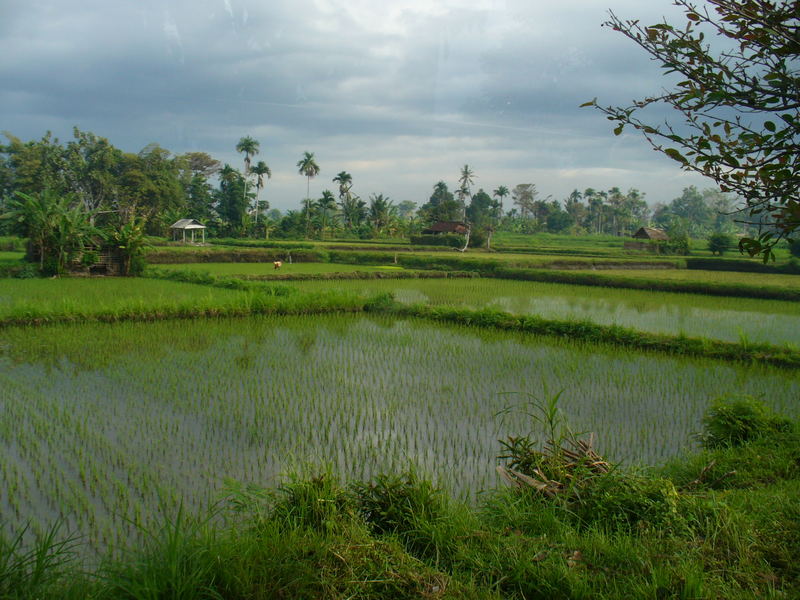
[(33, 571), (740, 419)]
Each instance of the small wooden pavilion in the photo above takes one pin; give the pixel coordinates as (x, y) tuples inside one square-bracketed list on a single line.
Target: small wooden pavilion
[(191, 225)]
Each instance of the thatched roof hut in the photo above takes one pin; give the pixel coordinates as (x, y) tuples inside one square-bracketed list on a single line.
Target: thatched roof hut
[(651, 233), (446, 227)]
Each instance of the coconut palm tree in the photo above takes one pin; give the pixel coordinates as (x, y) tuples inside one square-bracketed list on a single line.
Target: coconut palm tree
[(308, 166), (464, 183), (260, 170), (501, 192), (345, 181), (381, 211), (250, 148)]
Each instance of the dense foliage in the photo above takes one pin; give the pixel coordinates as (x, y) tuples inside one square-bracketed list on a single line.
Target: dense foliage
[(738, 100)]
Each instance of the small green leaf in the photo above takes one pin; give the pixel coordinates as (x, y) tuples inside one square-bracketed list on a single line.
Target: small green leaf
[(618, 130), (675, 155), (769, 125)]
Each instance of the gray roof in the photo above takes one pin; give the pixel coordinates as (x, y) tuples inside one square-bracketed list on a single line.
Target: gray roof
[(187, 224)]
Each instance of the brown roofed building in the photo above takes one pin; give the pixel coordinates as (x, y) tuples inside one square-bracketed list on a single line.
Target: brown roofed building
[(446, 227), (651, 233)]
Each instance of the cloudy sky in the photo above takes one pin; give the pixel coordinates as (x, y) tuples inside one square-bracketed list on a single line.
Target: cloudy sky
[(400, 94)]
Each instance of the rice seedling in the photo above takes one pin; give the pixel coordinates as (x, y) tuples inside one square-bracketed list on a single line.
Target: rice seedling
[(142, 417)]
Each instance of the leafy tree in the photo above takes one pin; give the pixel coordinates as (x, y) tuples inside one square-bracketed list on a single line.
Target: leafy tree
[(36, 165), (483, 214), (689, 209), (722, 208), (91, 169), (558, 220), (405, 209), (575, 208), (441, 206), (231, 201), (719, 243), (739, 103), (57, 228), (201, 163), (523, 196)]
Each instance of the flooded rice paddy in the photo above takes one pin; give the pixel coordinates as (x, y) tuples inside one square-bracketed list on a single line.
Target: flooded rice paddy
[(109, 426)]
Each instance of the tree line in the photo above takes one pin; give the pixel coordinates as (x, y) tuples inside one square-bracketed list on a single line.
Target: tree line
[(159, 187)]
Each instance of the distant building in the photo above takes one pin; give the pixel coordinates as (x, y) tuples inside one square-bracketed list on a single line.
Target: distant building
[(185, 225), (446, 227), (647, 235), (651, 233)]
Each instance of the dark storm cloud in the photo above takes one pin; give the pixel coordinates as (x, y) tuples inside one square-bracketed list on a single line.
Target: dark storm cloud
[(403, 92)]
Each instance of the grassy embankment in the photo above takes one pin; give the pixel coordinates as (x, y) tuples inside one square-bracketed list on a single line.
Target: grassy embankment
[(43, 301), (572, 270), (724, 523), (694, 315), (74, 300)]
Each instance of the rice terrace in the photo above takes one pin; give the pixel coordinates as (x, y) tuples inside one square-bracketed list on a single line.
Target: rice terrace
[(220, 379)]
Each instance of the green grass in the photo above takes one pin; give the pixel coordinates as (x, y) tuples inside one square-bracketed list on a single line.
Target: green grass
[(8, 257), (37, 301), (397, 535), (87, 295), (731, 319), (222, 269), (754, 279)]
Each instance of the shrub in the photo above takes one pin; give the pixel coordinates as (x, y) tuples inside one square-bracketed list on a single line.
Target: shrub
[(794, 248), (623, 500), (444, 239), (317, 503), (719, 243), (738, 420), (678, 245), (395, 503)]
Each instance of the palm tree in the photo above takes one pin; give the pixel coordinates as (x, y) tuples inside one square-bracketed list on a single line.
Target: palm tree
[(326, 205), (250, 148), (381, 211), (501, 192), (260, 170), (345, 181), (307, 166), (354, 210), (308, 209), (464, 181)]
